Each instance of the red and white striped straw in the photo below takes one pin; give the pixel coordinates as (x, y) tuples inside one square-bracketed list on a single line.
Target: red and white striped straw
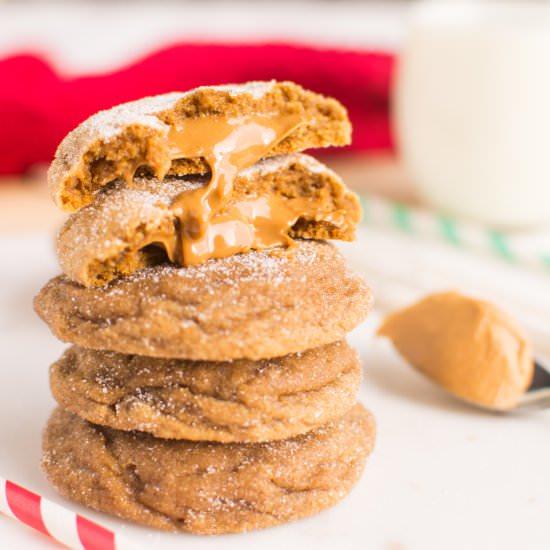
[(56, 521)]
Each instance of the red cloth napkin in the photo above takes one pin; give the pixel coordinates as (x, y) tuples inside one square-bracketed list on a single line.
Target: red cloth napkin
[(38, 106)]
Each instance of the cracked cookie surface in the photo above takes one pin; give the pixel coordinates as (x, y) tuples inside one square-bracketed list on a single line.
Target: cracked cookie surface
[(226, 401), (255, 305), (206, 488)]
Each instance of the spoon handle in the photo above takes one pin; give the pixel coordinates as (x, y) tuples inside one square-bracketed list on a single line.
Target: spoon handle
[(536, 399), (538, 394)]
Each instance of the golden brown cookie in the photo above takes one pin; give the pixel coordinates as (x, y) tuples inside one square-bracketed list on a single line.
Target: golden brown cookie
[(235, 401), (206, 488), (113, 144), (255, 305), (128, 228)]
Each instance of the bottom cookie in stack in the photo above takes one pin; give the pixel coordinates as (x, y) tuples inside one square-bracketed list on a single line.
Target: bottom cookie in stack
[(204, 487)]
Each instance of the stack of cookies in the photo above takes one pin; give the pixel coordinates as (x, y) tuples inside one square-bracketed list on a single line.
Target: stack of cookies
[(209, 387)]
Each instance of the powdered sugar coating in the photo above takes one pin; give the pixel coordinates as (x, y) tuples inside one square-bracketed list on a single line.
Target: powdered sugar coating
[(255, 88), (279, 163), (266, 267)]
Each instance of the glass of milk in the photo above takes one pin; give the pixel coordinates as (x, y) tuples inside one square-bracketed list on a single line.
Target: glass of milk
[(472, 109)]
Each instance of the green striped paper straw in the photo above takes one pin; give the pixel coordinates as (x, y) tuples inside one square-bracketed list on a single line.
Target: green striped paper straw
[(530, 249)]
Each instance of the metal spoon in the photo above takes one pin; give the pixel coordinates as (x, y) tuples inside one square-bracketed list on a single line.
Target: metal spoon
[(537, 395)]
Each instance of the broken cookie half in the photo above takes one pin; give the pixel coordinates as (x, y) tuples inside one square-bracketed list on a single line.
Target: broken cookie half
[(216, 130), (272, 202)]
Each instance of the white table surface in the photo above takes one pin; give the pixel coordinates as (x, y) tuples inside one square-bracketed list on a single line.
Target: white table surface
[(442, 475)]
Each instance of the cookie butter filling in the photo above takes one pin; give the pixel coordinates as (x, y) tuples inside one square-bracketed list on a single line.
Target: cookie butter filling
[(258, 222), (255, 223), (206, 228)]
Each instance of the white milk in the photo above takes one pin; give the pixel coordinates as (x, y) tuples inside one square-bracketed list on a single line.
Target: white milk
[(472, 108)]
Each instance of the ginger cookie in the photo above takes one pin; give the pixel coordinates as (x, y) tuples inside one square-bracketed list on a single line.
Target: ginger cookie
[(128, 228), (256, 305), (239, 401), (206, 488), (171, 133)]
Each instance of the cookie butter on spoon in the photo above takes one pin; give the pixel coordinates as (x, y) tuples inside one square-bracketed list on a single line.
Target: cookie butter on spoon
[(468, 346)]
